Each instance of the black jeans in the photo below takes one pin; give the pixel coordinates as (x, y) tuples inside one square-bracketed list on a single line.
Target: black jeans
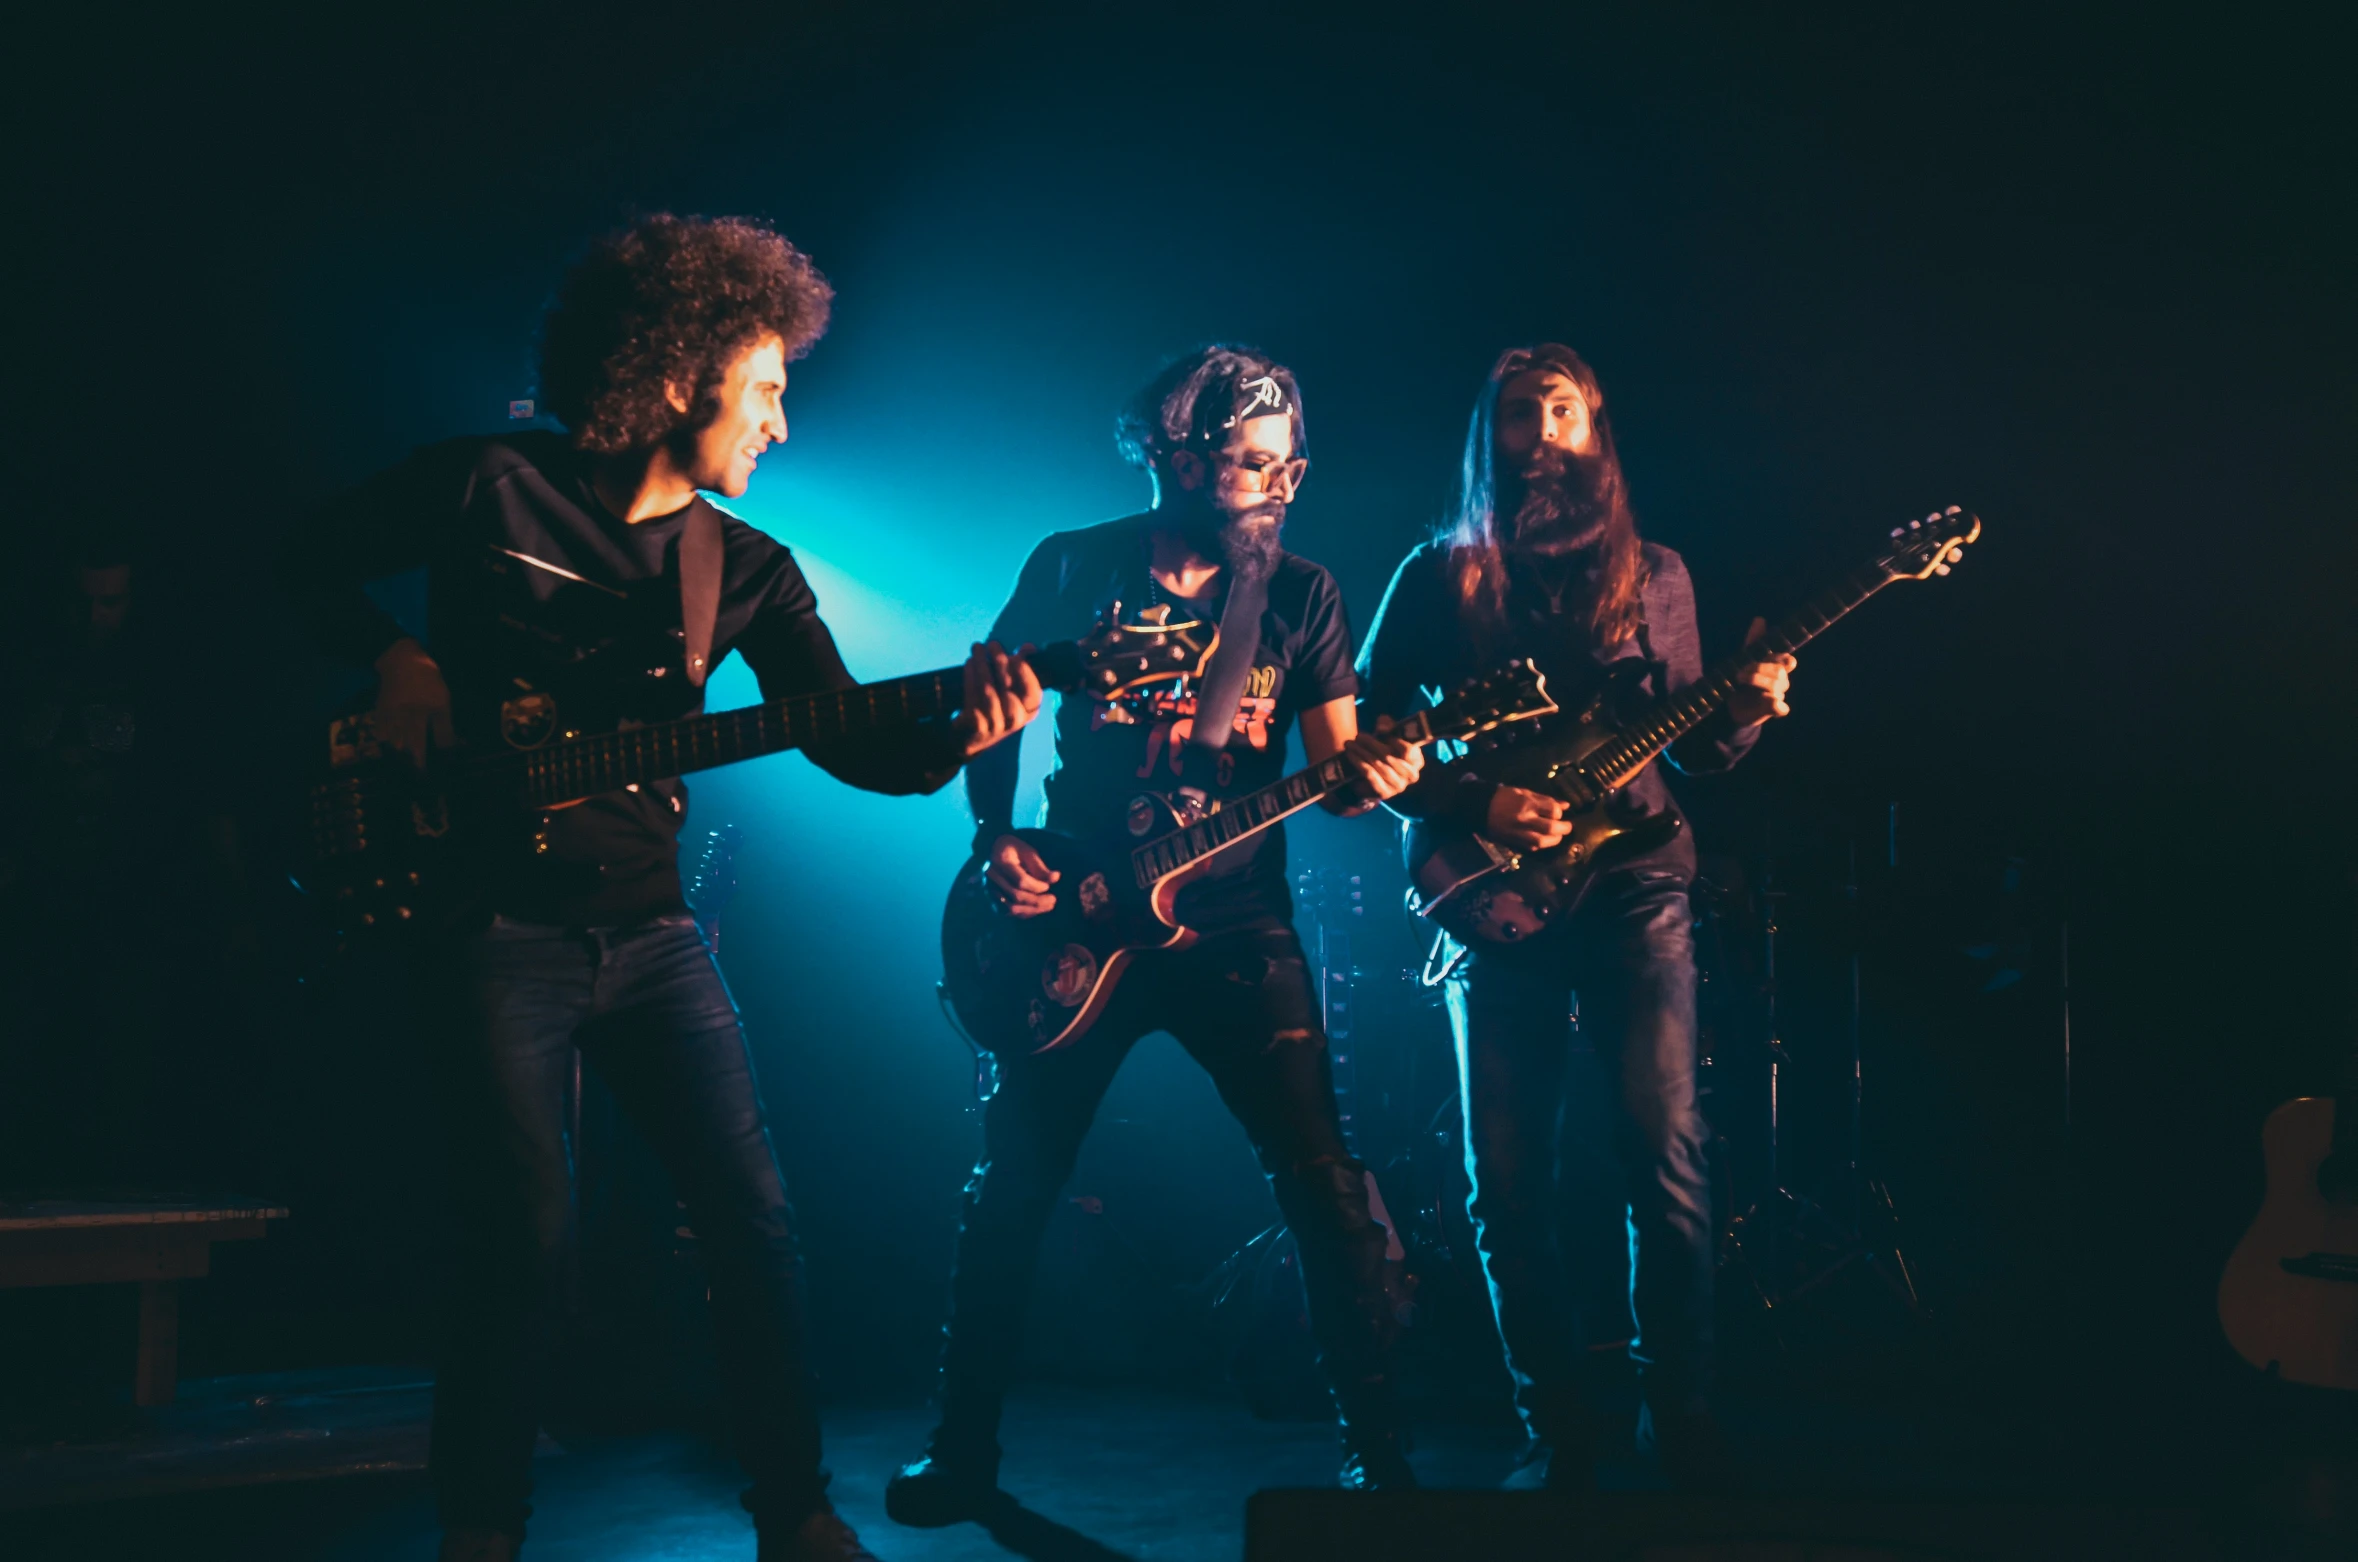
[(1629, 952), (646, 1006), (1242, 1006)]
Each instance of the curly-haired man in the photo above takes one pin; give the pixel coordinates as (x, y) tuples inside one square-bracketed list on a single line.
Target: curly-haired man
[(555, 602), (1219, 434)]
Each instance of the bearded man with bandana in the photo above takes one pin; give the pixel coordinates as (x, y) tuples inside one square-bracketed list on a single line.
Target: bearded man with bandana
[(1220, 435), (1544, 562)]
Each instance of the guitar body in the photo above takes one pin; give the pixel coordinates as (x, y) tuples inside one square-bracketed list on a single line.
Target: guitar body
[(1477, 891), (2289, 1298), (1034, 984), (388, 849), (381, 850)]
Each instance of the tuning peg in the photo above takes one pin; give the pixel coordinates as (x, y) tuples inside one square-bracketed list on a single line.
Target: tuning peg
[(1896, 530), (1953, 510), (1956, 555), (1915, 526), (1940, 569)]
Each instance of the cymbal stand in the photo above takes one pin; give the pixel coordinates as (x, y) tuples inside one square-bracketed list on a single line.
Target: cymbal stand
[(1787, 1245)]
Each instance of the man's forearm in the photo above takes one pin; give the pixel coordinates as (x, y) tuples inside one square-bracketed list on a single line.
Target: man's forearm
[(990, 785)]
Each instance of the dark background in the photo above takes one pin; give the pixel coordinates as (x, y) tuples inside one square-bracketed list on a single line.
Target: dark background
[(2083, 270)]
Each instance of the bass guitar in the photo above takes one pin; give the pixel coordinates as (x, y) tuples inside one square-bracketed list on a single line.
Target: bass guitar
[(1038, 983), (389, 847), (1478, 889)]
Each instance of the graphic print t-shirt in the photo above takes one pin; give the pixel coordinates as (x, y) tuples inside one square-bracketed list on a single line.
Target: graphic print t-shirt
[(1108, 753)]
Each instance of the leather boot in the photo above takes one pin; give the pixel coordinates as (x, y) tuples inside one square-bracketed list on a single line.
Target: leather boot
[(1375, 1448), (952, 1484), (1376, 1462), (1694, 1454), (1568, 1469)]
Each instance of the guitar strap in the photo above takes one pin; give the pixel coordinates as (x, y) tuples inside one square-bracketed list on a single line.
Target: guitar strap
[(700, 587), (1222, 687)]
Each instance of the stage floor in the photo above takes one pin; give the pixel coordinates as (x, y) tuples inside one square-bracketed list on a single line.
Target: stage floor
[(1101, 1475)]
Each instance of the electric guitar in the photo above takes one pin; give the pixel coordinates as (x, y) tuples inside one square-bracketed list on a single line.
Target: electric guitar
[(1478, 889), (390, 847), (1034, 984)]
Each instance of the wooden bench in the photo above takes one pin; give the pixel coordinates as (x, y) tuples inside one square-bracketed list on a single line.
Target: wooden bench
[(152, 1245)]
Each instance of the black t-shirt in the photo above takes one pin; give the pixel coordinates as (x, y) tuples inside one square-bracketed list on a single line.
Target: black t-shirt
[(550, 614), (1107, 754)]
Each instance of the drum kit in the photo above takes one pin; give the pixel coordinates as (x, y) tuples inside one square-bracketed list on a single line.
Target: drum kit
[(1795, 1267)]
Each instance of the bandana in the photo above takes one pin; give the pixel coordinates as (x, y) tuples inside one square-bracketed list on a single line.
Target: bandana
[(1262, 396)]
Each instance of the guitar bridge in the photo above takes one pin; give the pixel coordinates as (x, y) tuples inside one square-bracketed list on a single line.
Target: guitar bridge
[(2323, 1266)]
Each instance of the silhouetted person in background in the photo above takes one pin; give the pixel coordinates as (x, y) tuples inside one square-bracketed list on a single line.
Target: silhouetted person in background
[(122, 884)]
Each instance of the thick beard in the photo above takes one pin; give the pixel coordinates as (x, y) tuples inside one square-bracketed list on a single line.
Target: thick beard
[(1553, 505), (1247, 541)]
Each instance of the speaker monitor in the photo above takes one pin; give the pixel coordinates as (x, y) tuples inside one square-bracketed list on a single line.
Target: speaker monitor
[(1437, 1526)]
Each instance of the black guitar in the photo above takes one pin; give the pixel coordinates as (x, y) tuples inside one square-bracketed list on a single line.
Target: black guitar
[(385, 847), (1037, 983), (1478, 889)]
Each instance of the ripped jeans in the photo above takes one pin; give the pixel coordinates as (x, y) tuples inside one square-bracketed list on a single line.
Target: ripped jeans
[(1242, 1005)]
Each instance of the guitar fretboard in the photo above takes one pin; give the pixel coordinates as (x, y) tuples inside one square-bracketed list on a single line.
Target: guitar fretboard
[(1254, 812), (609, 761), (1673, 717)]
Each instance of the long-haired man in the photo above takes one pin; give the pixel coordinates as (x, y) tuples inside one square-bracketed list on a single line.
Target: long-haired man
[(555, 600), (1220, 435), (1543, 560)]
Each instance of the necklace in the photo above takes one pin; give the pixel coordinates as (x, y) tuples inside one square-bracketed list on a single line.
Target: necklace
[(1555, 589)]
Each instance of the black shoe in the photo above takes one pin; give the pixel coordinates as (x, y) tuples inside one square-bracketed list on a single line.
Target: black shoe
[(1377, 1464), (823, 1537), (936, 1491), (1694, 1454), (1553, 1467)]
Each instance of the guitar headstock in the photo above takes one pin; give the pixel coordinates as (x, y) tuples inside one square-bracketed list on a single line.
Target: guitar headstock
[(1929, 547), (1513, 691), (1116, 656)]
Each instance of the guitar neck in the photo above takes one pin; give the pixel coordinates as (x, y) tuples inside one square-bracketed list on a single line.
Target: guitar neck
[(633, 756), (1254, 812), (1674, 715)]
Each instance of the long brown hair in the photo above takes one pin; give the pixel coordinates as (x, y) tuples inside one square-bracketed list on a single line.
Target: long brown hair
[(1477, 550)]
